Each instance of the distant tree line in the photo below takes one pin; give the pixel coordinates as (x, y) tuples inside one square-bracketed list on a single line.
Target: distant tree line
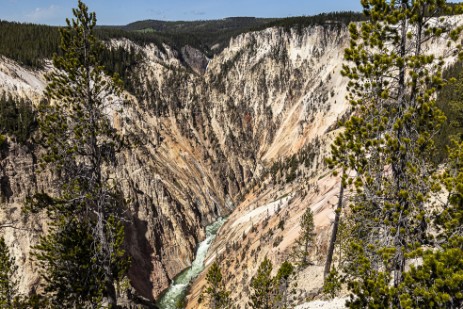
[(334, 18), (31, 45), (28, 44)]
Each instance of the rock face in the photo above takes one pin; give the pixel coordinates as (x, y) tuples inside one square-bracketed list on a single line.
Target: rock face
[(195, 59), (211, 130)]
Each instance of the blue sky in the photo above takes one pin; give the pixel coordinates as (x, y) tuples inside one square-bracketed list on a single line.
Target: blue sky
[(121, 12)]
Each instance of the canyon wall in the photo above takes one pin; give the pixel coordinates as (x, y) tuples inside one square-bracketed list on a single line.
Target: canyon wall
[(239, 131)]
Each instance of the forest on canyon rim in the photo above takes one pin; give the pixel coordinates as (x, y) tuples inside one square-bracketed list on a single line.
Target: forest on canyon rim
[(116, 107)]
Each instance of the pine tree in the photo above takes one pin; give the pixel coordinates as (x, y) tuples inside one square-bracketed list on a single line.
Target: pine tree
[(216, 292), (305, 239), (438, 281), (72, 274), (388, 143), (271, 292), (8, 284), (335, 230), (262, 286), (281, 285), (81, 143)]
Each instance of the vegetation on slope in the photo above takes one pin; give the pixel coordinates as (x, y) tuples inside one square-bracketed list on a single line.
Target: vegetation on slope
[(17, 118), (450, 101)]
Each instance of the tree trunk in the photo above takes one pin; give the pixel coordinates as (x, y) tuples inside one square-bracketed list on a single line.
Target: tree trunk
[(109, 294), (334, 232)]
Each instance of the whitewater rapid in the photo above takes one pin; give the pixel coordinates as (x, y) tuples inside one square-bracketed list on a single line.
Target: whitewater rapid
[(177, 291)]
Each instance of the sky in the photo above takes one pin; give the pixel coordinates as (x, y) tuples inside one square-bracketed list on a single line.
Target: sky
[(122, 12)]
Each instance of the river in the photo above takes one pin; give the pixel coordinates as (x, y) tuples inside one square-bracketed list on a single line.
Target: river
[(179, 288)]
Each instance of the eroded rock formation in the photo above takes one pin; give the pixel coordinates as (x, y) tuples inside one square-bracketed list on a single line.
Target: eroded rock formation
[(240, 130)]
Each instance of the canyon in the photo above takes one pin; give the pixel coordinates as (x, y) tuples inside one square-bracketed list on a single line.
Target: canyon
[(241, 135)]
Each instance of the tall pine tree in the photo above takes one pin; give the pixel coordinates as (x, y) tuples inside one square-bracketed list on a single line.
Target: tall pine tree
[(83, 256), (388, 142), (305, 239)]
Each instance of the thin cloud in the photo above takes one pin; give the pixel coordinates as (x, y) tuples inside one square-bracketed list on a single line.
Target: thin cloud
[(43, 14), (158, 13), (196, 13)]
